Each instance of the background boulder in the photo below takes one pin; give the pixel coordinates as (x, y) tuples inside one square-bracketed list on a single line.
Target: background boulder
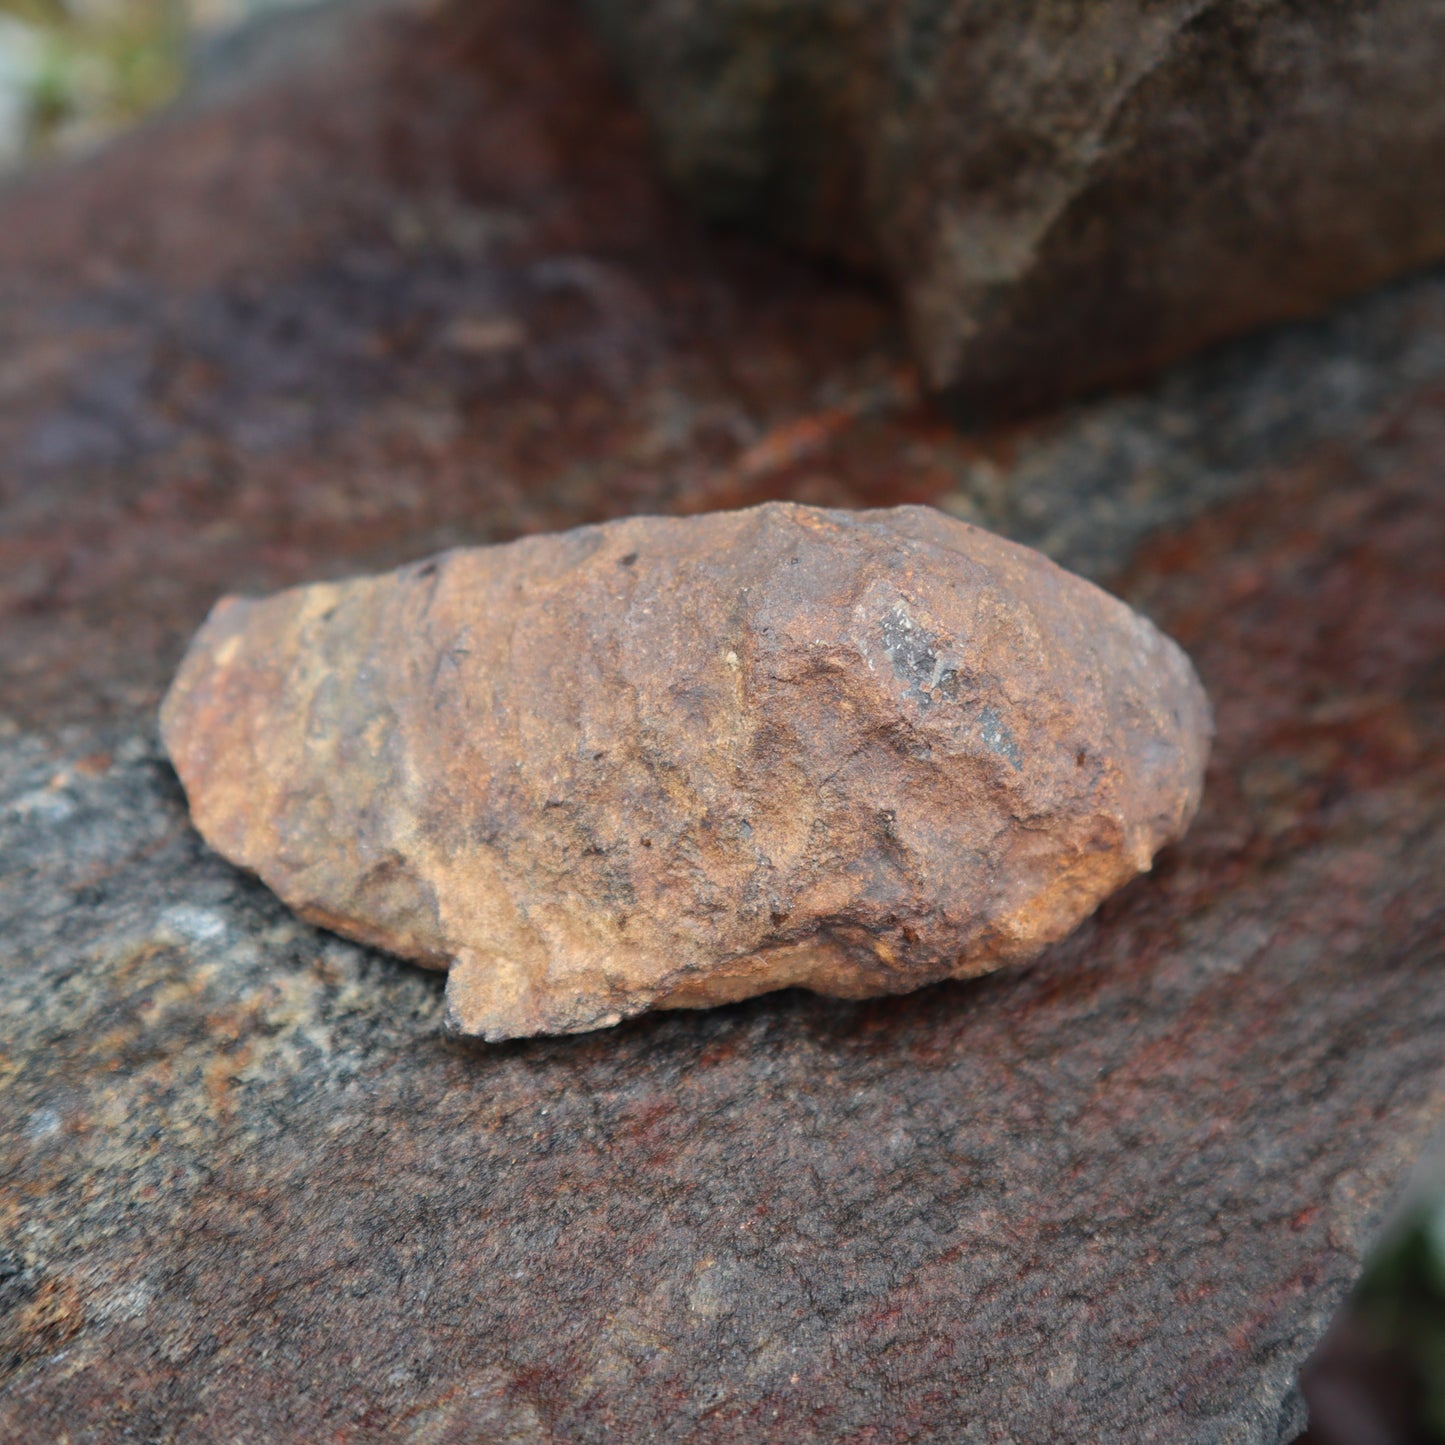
[(1064, 195)]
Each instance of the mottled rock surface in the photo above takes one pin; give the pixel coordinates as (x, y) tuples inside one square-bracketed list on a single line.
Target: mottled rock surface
[(678, 762), (246, 1190), (1063, 195)]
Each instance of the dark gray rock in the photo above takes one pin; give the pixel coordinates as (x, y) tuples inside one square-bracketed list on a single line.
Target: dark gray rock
[(1064, 195)]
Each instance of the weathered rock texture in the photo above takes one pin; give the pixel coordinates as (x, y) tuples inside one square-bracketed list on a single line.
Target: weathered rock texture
[(678, 762), (247, 1193), (1064, 194)]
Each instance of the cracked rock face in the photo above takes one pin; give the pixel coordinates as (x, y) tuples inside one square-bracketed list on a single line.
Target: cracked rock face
[(668, 763)]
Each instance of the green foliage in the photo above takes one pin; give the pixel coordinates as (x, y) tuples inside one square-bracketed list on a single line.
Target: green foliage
[(1403, 1299), (98, 65)]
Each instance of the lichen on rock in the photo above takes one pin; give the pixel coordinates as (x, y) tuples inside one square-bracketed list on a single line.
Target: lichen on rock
[(673, 762)]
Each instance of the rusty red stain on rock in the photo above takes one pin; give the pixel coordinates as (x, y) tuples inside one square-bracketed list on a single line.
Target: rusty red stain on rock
[(672, 762)]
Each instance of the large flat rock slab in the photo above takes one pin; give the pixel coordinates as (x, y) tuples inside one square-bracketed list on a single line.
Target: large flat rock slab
[(250, 1192), (1115, 1196)]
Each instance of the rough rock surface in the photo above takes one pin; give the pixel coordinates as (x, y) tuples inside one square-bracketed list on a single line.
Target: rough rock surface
[(247, 1193), (678, 762), (1064, 194)]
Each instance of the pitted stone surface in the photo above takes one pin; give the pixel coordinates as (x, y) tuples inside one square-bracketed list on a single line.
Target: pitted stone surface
[(677, 762)]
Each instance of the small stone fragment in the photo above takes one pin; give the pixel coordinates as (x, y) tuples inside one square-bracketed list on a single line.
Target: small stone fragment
[(666, 763)]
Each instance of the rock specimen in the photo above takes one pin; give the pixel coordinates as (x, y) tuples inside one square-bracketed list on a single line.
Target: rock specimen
[(1065, 195), (676, 762)]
